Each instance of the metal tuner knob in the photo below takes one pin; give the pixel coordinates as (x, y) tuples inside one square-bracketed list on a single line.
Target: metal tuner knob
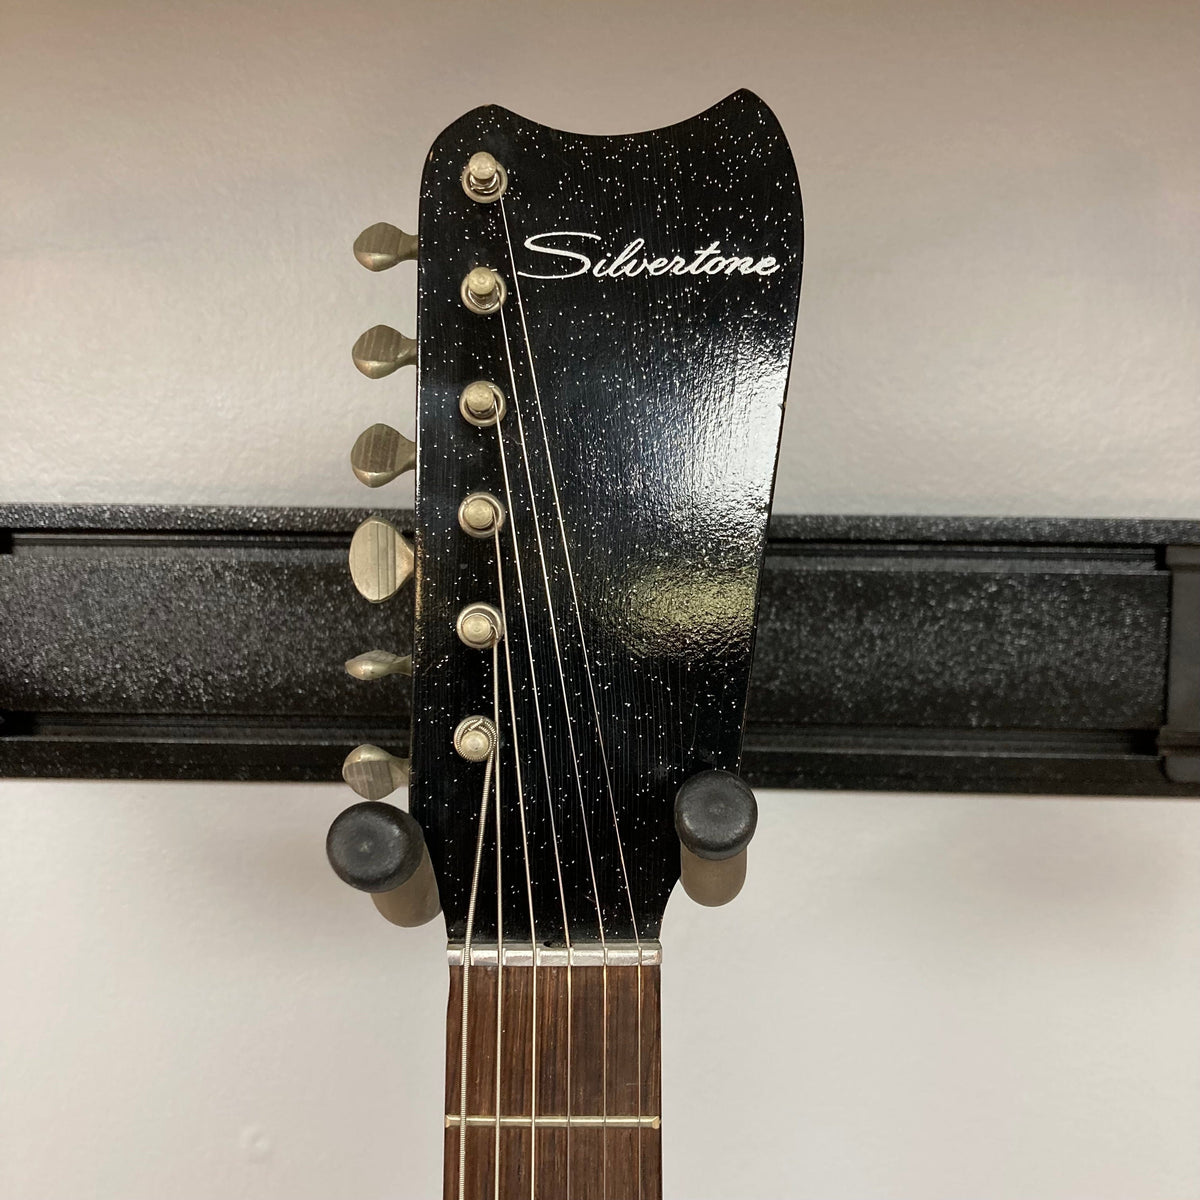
[(382, 245), (381, 560), (382, 350), (380, 454), (374, 773), (715, 817), (380, 849), (376, 664)]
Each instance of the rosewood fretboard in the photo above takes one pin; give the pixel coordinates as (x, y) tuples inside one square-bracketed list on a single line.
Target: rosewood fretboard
[(577, 1083)]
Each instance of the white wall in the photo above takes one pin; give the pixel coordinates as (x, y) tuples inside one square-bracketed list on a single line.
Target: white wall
[(917, 998)]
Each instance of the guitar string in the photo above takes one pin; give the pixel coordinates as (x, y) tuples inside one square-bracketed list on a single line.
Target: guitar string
[(533, 1020), (466, 977), (499, 926), (588, 675), (545, 765), (571, 741)]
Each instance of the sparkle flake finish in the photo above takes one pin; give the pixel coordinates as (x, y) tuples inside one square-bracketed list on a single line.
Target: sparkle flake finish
[(644, 396)]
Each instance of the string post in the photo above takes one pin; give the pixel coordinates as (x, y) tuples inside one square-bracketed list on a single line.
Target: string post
[(481, 403), (480, 626), (475, 738), (480, 515), (483, 178), (483, 291)]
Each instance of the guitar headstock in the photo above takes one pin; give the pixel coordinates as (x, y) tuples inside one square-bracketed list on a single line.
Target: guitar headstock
[(604, 335)]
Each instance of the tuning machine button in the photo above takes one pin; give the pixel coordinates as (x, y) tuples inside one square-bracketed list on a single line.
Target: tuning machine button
[(382, 245), (715, 818), (382, 350), (374, 773), (376, 664), (483, 291), (380, 849), (380, 454), (381, 560)]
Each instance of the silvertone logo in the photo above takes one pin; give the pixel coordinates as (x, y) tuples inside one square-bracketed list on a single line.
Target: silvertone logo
[(635, 260)]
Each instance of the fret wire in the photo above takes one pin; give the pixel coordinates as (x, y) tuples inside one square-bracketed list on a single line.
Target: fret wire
[(548, 1121)]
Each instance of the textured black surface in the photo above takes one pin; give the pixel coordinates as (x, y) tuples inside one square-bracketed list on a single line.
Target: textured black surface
[(1021, 657), (204, 643), (636, 465), (1098, 532)]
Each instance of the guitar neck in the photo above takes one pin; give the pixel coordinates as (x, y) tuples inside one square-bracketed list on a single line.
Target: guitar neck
[(562, 1080)]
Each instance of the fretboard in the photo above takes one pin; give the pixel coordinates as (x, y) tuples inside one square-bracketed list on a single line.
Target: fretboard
[(564, 1103)]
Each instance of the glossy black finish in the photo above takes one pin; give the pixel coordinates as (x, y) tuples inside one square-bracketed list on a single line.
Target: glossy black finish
[(715, 814), (644, 417), (374, 847)]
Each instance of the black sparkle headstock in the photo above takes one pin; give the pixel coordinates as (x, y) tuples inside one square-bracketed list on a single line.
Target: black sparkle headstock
[(629, 304)]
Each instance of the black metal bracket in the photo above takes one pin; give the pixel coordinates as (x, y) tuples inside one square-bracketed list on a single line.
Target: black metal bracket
[(1179, 739), (1036, 656)]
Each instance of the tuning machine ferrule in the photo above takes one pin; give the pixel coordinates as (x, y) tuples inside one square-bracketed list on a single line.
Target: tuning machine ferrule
[(715, 817)]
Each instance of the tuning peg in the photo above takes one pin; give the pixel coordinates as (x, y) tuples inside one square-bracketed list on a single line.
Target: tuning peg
[(382, 350), (380, 849), (381, 246), (374, 773), (375, 664), (381, 560), (715, 817), (380, 454)]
